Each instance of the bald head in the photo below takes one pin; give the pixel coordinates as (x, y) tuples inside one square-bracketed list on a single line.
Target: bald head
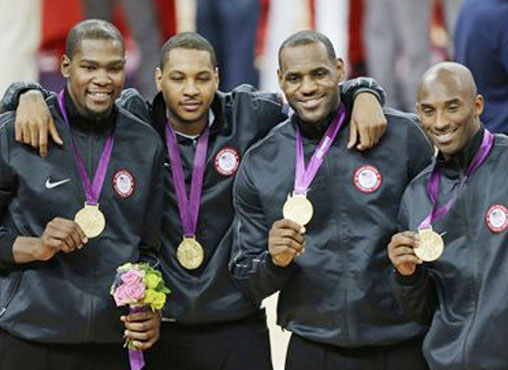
[(454, 75)]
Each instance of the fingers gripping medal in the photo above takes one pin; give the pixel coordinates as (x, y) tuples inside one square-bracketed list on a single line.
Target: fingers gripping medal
[(431, 245), (190, 253), (90, 218), (297, 207)]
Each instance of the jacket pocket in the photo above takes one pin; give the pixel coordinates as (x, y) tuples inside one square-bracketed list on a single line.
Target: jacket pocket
[(12, 286)]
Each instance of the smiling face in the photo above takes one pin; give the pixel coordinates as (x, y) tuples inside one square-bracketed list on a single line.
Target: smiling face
[(449, 110), (95, 76), (188, 83), (310, 80)]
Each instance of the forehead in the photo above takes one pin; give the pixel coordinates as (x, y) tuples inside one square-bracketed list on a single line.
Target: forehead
[(181, 59), (99, 50), (441, 89), (302, 58)]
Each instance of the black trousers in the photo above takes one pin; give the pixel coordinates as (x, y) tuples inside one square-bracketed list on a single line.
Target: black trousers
[(306, 355), (239, 345), (19, 354)]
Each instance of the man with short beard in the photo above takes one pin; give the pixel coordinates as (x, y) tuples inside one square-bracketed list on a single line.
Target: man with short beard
[(208, 323), (69, 220), (313, 220), (450, 256)]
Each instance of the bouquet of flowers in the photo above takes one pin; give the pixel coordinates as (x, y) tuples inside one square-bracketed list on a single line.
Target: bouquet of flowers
[(141, 287)]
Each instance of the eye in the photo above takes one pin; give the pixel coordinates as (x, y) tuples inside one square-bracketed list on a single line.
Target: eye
[(88, 68), (177, 78), (428, 111), (320, 73), (453, 108), (293, 78)]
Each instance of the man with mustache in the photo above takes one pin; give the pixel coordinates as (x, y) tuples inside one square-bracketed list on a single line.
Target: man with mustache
[(450, 256), (313, 220)]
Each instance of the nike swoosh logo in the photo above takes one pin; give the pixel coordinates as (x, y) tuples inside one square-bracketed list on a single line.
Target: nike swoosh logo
[(51, 185)]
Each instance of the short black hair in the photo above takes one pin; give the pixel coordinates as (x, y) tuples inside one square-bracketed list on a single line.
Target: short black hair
[(187, 40), (95, 29), (305, 38)]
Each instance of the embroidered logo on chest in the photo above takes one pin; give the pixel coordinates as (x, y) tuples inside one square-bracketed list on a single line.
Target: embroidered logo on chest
[(227, 161), (367, 179), (497, 218), (123, 183)]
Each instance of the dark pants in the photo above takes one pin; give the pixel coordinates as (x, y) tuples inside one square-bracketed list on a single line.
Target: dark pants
[(239, 345), (19, 354), (305, 355)]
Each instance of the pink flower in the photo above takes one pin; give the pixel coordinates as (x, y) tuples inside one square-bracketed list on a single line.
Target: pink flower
[(129, 294), (120, 295), (132, 277), (136, 292)]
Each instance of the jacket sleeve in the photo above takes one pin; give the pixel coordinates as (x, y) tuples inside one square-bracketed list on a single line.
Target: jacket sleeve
[(251, 264), (150, 243), (11, 97), (351, 88), (8, 233), (132, 101), (416, 293)]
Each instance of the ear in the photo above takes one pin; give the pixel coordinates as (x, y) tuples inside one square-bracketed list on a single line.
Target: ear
[(65, 66), (280, 78), (478, 104), (158, 78), (341, 69), (217, 79)]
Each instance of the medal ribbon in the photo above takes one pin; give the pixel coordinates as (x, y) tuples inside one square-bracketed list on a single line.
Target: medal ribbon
[(304, 176), (188, 207), (435, 179), (92, 188)]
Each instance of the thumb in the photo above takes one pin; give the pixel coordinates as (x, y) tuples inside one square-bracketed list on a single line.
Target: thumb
[(54, 132), (353, 136)]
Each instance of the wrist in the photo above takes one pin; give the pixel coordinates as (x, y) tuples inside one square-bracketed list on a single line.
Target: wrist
[(26, 249)]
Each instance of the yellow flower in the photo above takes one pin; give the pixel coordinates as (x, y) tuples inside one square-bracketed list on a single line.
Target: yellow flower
[(155, 299), (152, 280)]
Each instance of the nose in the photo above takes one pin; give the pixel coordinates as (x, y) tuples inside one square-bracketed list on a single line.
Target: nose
[(102, 77), (442, 122), (190, 88), (308, 85)]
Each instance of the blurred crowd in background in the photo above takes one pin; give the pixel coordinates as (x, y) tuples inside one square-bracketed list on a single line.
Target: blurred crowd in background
[(393, 41)]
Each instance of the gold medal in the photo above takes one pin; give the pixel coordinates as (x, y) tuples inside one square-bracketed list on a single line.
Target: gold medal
[(298, 208), (431, 245), (91, 220), (190, 253)]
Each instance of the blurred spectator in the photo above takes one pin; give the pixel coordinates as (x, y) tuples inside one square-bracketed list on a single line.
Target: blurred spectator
[(230, 25), (19, 41), (143, 23), (481, 44), (393, 28)]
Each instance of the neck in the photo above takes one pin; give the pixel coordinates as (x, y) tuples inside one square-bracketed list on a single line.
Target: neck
[(189, 128)]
